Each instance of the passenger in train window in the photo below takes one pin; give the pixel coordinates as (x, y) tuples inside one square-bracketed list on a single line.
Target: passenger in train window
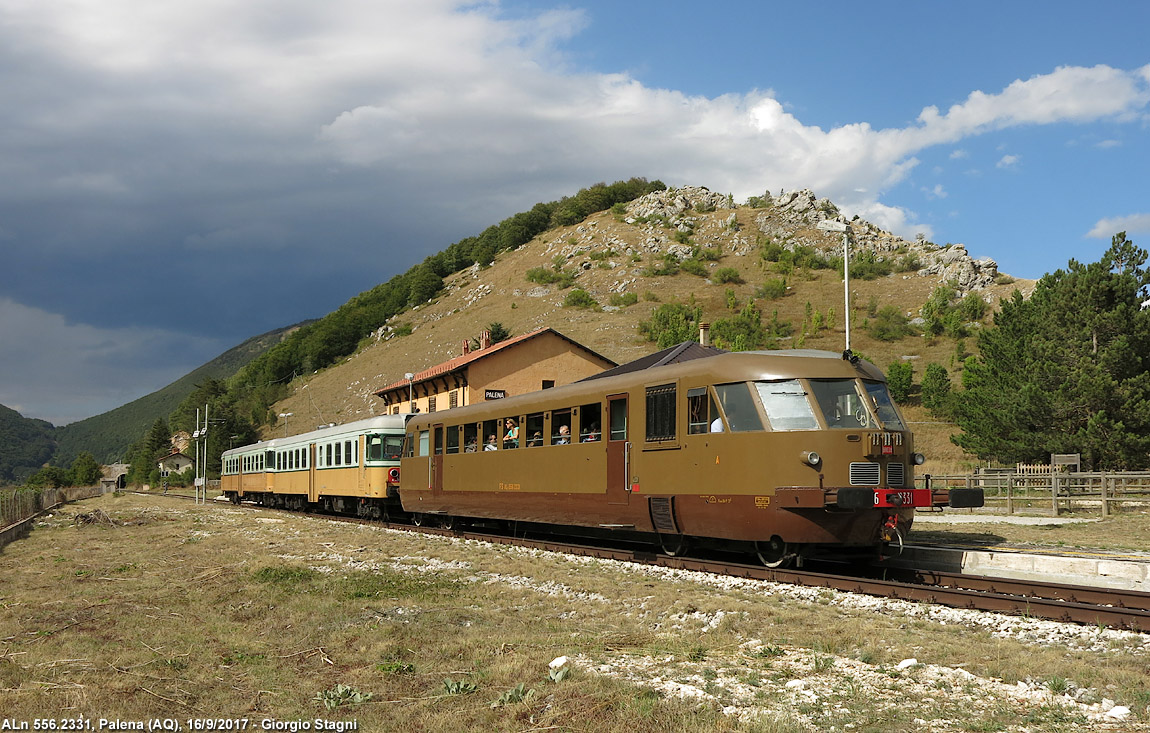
[(491, 443), (717, 425), (470, 445), (564, 436), (592, 433), (536, 440), (511, 439)]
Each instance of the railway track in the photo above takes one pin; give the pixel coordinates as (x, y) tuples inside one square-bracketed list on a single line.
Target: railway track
[(1053, 601)]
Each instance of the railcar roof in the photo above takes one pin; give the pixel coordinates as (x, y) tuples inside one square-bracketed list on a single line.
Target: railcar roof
[(380, 422), (717, 369)]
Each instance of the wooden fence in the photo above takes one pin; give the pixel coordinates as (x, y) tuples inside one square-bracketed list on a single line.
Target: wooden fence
[(17, 505), (1059, 491)]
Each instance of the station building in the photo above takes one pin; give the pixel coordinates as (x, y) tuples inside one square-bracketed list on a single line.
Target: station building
[(538, 360)]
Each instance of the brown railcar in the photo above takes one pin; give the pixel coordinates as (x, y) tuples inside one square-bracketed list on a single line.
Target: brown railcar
[(781, 451)]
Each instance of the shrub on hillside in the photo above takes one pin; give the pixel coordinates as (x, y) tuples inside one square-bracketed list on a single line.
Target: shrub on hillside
[(580, 298), (726, 275)]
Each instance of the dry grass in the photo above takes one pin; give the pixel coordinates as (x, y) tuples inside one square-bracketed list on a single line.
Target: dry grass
[(192, 611), (1124, 531)]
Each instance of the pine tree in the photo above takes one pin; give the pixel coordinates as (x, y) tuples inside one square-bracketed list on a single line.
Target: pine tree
[(1068, 370)]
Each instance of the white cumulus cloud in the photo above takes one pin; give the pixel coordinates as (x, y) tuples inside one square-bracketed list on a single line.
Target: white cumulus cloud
[(1132, 224)]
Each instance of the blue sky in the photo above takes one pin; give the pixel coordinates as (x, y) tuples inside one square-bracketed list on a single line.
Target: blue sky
[(176, 177)]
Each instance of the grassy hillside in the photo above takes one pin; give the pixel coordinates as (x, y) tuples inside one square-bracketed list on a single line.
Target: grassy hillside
[(27, 444), (616, 253), (107, 436)]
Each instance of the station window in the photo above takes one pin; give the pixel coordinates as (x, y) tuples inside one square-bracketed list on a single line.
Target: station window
[(590, 423), (533, 430), (739, 407), (431, 403), (561, 427), (661, 413), (453, 398), (702, 412)]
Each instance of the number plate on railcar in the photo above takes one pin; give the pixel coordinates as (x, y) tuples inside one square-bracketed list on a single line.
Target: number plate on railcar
[(894, 498)]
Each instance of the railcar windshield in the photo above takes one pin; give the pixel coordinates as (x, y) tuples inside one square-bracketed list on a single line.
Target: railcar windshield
[(880, 400), (384, 447), (786, 405), (841, 404)]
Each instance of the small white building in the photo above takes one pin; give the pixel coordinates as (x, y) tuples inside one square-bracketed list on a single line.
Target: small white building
[(175, 463)]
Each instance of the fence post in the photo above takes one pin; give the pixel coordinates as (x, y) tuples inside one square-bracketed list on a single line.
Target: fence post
[(1105, 509), (1054, 492), (1010, 494)]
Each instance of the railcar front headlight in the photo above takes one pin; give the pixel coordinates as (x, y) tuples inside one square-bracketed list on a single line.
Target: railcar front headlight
[(811, 458), (918, 458)]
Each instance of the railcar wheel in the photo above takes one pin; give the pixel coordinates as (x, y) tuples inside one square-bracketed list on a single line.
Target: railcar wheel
[(447, 522), (774, 553), (417, 519), (673, 545)]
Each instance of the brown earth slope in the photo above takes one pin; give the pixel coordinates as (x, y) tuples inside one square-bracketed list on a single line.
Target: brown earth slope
[(612, 253)]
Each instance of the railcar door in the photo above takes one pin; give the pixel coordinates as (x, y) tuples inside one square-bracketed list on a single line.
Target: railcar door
[(437, 460), (618, 451)]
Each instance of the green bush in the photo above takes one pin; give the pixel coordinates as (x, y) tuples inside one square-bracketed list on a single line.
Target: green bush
[(899, 379), (890, 324), (580, 298), (727, 275), (672, 323), (542, 275), (693, 267), (622, 300), (772, 289), (666, 266)]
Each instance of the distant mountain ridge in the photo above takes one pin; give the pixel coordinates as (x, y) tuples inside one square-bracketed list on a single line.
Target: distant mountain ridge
[(27, 444), (109, 435)]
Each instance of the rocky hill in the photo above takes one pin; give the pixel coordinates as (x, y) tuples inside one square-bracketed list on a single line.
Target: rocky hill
[(618, 252)]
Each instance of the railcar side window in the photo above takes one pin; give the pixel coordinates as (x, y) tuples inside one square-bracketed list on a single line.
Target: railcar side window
[(453, 439), (560, 427), (409, 445), (491, 434), (739, 407), (880, 400), (661, 413), (590, 428), (841, 404), (439, 440), (787, 405), (701, 412), (533, 430), (424, 442), (470, 441), (618, 417)]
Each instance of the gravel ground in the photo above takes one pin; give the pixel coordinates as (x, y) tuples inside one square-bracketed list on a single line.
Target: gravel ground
[(811, 689)]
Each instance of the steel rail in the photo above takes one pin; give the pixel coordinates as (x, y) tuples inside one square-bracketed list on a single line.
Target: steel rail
[(1051, 601)]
